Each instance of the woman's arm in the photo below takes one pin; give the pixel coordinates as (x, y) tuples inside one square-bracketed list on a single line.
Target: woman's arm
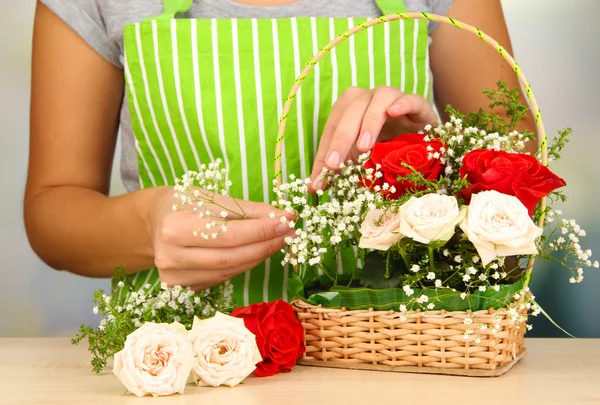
[(75, 104), (463, 65), (71, 222)]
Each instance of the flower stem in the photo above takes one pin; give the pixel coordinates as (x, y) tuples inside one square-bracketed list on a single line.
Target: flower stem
[(404, 258), (431, 260), (387, 266)]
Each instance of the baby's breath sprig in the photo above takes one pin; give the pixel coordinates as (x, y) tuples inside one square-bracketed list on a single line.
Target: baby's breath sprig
[(333, 223), (562, 245), (128, 307), (202, 192)]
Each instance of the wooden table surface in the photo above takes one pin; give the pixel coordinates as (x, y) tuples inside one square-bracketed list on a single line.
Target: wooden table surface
[(555, 371)]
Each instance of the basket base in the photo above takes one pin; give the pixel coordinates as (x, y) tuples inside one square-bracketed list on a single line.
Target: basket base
[(416, 370)]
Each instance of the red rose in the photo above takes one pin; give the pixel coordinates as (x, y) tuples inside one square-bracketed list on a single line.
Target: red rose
[(516, 174), (408, 149), (279, 335)]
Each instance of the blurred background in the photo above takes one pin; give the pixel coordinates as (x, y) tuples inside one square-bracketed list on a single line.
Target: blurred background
[(556, 44)]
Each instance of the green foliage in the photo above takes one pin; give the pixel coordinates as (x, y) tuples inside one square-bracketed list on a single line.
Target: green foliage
[(127, 308), (506, 111), (558, 143), (381, 271)]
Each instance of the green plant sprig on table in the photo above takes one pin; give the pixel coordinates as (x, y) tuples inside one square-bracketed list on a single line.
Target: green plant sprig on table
[(128, 307)]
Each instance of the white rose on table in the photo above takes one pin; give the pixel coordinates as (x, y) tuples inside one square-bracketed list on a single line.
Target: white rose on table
[(500, 225), (432, 217), (156, 360), (380, 230), (225, 351)]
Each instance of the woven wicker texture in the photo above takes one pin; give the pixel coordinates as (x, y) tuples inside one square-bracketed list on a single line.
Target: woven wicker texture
[(436, 339)]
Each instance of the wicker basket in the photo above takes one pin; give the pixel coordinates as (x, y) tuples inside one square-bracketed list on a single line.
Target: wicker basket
[(432, 342), (427, 343)]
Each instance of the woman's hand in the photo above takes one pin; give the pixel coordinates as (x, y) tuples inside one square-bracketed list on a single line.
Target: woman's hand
[(188, 260), (361, 117)]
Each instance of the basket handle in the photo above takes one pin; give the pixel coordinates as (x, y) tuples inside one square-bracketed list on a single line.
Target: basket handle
[(541, 132), (408, 16)]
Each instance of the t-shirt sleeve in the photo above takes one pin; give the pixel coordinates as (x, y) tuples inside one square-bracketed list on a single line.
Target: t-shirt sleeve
[(85, 18), (440, 7)]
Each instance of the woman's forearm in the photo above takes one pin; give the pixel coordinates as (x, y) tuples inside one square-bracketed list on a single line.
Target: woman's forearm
[(88, 233)]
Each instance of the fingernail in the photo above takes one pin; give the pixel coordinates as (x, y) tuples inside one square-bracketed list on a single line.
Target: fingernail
[(396, 107), (333, 160), (317, 183), (364, 142), (283, 228)]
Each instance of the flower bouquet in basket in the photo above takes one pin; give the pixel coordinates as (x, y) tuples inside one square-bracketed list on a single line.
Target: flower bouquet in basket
[(441, 229)]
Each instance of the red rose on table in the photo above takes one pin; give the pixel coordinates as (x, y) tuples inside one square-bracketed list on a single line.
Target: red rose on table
[(515, 174), (279, 335), (410, 149)]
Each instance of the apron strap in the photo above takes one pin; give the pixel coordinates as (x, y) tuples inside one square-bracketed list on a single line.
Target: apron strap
[(172, 8), (391, 6)]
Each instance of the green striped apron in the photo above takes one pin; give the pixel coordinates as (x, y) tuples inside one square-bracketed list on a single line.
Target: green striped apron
[(202, 89)]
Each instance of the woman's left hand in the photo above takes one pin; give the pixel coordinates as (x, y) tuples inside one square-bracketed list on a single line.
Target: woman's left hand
[(361, 117)]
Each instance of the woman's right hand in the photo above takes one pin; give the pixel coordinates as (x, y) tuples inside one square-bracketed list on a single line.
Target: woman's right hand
[(188, 260)]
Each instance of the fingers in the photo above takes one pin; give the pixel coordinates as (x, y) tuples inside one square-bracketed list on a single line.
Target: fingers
[(417, 108), (237, 209), (376, 116), (355, 124), (213, 265), (229, 258), (258, 210), (243, 232), (345, 135), (331, 125), (178, 230)]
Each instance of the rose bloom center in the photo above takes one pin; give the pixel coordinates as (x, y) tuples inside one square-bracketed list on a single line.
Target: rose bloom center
[(221, 352), (156, 358), (386, 219), (501, 220), (431, 213)]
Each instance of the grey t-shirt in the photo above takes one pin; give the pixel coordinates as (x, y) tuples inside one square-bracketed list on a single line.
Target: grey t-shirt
[(100, 23)]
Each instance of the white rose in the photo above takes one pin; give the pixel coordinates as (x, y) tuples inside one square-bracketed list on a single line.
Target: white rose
[(432, 217), (499, 225), (225, 350), (379, 230), (156, 359)]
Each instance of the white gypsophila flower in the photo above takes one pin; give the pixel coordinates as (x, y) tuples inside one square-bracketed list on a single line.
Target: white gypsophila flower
[(409, 291), (155, 360), (95, 310), (403, 308), (422, 299), (438, 283), (415, 268), (337, 217), (499, 225), (432, 217), (225, 351)]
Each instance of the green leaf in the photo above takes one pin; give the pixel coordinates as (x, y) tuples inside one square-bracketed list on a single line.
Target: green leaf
[(375, 269)]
